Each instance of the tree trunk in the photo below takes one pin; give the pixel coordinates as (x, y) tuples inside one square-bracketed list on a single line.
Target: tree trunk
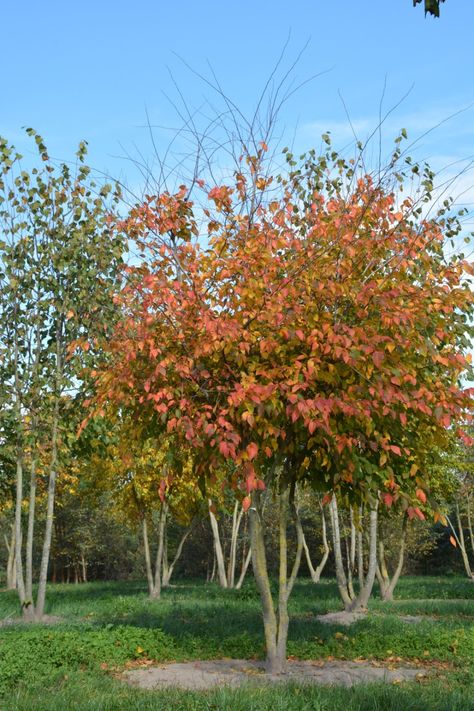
[(84, 568), (236, 521), (245, 564), (316, 572), (275, 623), (218, 549), (387, 585), (30, 532), (360, 552), (146, 546), (157, 580), (43, 576), (168, 572), (341, 578), (360, 602), (469, 523), (459, 537), (11, 561)]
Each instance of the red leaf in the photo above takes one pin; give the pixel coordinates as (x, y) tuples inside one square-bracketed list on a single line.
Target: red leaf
[(396, 449), (246, 501), (453, 541), (252, 450), (377, 357), (420, 494), (415, 511), (326, 499)]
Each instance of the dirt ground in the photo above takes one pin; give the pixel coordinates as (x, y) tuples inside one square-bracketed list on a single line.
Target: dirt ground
[(202, 675)]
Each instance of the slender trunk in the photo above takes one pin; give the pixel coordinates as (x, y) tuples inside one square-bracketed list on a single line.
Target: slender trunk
[(469, 523), (11, 561), (179, 550), (388, 594), (245, 564), (84, 568), (236, 521), (350, 584), (164, 561), (157, 581), (40, 600), (26, 603), (30, 531), (260, 570), (336, 537), (218, 549), (316, 572), (32, 493), (360, 552), (360, 602), (146, 546), (459, 536), (43, 576), (382, 572)]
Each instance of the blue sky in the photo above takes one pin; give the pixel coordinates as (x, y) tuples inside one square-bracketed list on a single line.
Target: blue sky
[(93, 69)]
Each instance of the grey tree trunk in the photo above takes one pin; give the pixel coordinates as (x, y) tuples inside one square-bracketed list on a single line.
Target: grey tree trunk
[(387, 584), (84, 568), (30, 532), (316, 572), (461, 543), (43, 575), (245, 564), (236, 521), (360, 602), (157, 580), (146, 546), (221, 572), (168, 569), (275, 621), (11, 560), (341, 578)]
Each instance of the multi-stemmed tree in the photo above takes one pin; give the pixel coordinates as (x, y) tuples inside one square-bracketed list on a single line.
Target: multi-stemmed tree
[(315, 333)]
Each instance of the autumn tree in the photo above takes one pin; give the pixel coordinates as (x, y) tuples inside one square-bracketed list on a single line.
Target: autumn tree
[(315, 333)]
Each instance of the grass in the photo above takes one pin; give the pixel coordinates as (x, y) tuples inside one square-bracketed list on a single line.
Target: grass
[(107, 625)]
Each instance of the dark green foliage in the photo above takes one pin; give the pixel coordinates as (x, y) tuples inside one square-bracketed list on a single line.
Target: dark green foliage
[(431, 6)]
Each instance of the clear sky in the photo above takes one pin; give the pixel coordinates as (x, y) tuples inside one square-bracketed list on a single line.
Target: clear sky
[(92, 70)]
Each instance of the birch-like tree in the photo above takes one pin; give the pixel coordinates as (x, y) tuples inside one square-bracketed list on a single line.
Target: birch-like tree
[(59, 261)]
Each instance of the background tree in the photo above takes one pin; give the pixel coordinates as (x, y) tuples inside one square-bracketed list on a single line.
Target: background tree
[(59, 264)]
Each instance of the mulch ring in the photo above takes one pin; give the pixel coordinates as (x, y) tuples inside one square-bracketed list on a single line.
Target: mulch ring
[(349, 618), (201, 675), (45, 620)]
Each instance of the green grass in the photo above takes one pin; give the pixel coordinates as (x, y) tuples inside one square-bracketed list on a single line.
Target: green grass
[(106, 625)]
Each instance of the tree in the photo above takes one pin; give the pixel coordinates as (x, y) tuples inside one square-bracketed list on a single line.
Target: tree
[(59, 261), (317, 335)]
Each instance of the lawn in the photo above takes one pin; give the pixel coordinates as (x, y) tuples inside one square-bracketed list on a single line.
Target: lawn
[(105, 627)]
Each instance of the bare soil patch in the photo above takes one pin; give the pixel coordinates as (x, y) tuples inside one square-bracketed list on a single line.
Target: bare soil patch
[(201, 675), (45, 620), (348, 618), (341, 618)]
